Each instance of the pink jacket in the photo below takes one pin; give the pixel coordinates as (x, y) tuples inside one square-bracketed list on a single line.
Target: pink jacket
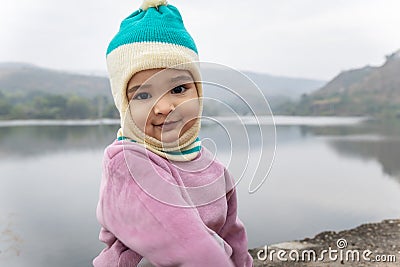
[(173, 217)]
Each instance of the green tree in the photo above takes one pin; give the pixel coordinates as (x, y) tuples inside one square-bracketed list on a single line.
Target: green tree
[(49, 106), (5, 106), (111, 112), (21, 111), (77, 108)]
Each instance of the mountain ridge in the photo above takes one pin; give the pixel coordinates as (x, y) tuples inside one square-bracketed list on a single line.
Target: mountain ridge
[(25, 77), (368, 91), (22, 79), (269, 84)]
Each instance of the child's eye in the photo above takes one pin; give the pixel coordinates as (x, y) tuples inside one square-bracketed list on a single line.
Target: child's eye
[(142, 96), (178, 90)]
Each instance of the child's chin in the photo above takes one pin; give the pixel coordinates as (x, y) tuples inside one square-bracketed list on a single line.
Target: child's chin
[(169, 138)]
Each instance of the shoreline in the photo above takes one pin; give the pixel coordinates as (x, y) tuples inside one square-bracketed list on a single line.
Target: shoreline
[(88, 122), (369, 244), (246, 120)]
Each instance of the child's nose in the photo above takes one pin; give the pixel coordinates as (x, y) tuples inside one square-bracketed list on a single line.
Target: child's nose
[(164, 105)]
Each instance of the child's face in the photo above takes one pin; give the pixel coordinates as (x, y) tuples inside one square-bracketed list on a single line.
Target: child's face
[(164, 103)]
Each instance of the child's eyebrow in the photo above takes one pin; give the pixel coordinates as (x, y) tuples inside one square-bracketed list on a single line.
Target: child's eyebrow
[(136, 87), (182, 78)]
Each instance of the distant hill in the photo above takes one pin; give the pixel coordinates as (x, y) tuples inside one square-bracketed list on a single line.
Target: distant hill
[(293, 88), (276, 89), (26, 79), (369, 91), (21, 77)]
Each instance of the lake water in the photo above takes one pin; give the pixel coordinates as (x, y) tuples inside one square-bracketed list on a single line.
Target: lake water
[(326, 175)]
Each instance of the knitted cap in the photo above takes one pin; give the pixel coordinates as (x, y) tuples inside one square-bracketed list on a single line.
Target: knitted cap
[(152, 37)]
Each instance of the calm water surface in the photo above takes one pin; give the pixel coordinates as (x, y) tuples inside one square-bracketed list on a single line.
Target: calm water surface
[(323, 178)]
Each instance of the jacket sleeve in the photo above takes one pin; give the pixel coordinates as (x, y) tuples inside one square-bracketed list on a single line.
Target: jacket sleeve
[(234, 233), (164, 234)]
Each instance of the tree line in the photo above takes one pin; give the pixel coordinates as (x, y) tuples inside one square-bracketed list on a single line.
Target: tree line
[(41, 105)]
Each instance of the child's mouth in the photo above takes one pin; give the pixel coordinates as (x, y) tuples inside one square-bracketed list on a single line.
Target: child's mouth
[(167, 125)]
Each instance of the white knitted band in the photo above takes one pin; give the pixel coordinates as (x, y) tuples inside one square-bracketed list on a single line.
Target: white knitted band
[(126, 60)]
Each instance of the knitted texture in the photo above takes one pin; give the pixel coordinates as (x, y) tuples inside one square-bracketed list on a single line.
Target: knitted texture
[(163, 24), (153, 37)]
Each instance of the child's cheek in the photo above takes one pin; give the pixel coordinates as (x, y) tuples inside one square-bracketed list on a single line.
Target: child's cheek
[(140, 114), (192, 109)]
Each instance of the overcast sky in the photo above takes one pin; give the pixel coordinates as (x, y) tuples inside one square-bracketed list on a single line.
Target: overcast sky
[(299, 38)]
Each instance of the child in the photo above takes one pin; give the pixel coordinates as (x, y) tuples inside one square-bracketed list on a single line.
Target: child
[(164, 200)]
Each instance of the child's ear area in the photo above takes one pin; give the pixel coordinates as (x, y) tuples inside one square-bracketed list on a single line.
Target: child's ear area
[(129, 94), (198, 85)]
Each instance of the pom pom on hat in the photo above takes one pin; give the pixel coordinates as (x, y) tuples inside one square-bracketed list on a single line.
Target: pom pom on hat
[(153, 3)]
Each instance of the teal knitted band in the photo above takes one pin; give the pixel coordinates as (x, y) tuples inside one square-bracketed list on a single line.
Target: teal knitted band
[(196, 148), (163, 24)]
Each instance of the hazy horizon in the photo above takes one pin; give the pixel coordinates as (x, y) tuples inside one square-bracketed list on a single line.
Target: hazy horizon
[(305, 39)]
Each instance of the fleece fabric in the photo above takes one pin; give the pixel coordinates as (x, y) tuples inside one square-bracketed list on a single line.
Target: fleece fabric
[(166, 212)]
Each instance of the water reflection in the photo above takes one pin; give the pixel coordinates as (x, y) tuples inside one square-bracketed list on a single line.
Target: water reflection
[(374, 140), (52, 199), (386, 152), (322, 180), (27, 141)]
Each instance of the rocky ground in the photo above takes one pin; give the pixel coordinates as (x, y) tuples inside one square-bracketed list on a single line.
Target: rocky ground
[(372, 244)]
